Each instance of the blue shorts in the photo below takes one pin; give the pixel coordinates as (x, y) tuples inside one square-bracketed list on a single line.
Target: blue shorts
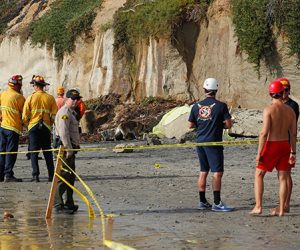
[(211, 158)]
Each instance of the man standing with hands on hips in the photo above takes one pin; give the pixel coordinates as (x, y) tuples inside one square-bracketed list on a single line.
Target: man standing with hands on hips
[(210, 117), (68, 133)]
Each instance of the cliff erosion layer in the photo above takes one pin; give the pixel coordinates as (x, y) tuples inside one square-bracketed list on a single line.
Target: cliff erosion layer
[(162, 69)]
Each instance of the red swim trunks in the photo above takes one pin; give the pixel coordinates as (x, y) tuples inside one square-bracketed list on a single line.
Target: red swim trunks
[(275, 154)]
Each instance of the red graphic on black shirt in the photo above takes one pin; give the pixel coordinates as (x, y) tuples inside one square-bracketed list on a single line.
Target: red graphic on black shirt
[(205, 112)]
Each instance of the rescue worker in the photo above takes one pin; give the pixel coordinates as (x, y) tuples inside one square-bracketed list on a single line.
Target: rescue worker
[(276, 148), (294, 105), (210, 116), (11, 102), (60, 99), (38, 115), (80, 109), (68, 133)]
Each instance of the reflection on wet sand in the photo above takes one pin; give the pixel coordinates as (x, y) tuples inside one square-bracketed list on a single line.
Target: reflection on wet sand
[(29, 230)]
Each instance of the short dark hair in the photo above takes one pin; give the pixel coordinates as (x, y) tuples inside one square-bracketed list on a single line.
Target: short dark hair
[(210, 91), (277, 95)]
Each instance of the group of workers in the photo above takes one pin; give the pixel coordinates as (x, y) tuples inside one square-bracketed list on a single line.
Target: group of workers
[(39, 112), (277, 145)]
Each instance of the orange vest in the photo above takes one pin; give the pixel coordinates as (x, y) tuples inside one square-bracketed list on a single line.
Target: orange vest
[(60, 101)]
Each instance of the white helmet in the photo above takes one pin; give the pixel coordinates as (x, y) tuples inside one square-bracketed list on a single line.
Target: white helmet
[(210, 84)]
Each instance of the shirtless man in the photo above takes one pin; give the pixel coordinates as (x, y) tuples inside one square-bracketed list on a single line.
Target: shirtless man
[(294, 105), (274, 149)]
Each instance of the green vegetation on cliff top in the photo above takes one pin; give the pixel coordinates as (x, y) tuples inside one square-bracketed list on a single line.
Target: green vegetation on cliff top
[(8, 10), (60, 26), (140, 19), (258, 23)]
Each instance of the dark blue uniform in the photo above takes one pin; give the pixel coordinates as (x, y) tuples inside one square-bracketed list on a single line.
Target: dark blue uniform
[(294, 105), (209, 115)]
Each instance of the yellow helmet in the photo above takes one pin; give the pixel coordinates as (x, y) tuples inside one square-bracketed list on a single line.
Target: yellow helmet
[(38, 80), (60, 90)]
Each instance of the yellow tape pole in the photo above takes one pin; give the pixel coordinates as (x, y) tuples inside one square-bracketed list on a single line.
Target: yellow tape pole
[(109, 228), (54, 183), (117, 246)]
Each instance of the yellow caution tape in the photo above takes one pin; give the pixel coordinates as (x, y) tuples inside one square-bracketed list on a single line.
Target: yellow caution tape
[(31, 151), (220, 143), (114, 215), (90, 208), (102, 216), (110, 244), (116, 246)]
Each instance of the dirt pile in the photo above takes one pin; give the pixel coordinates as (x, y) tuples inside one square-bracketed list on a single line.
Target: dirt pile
[(111, 112)]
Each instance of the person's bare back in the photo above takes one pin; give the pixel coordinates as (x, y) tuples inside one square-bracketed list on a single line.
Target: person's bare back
[(280, 119)]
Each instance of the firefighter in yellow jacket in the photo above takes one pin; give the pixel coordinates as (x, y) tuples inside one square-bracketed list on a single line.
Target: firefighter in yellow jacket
[(11, 103), (68, 133), (38, 115)]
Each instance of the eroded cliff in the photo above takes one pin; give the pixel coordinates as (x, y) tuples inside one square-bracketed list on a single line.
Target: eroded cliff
[(161, 69)]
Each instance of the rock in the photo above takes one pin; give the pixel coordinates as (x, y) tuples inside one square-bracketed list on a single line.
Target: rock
[(7, 215), (108, 135), (246, 122), (121, 148), (189, 136), (91, 120), (87, 121), (129, 130), (152, 139)]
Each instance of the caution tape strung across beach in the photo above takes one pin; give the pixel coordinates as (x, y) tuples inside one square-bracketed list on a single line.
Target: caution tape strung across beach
[(182, 145), (221, 143), (111, 244)]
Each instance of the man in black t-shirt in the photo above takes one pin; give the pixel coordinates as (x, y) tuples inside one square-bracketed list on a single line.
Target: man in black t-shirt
[(210, 117)]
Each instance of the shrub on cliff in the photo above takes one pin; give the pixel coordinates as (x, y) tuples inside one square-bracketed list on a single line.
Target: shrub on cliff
[(9, 10), (256, 24), (141, 19), (60, 26)]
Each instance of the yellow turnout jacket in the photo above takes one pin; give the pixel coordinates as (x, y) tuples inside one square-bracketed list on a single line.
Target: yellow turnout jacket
[(40, 106), (11, 105)]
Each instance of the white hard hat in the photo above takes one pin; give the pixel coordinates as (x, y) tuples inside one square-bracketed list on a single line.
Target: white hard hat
[(210, 84), (77, 89)]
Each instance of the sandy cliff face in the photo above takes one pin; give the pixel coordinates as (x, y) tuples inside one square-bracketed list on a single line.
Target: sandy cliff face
[(210, 50)]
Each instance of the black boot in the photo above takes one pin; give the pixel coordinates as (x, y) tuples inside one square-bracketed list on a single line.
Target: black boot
[(35, 179), (11, 179)]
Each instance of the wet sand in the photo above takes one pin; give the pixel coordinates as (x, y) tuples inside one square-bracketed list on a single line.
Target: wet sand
[(157, 206)]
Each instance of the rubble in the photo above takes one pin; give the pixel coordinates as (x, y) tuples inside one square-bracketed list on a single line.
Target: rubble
[(109, 119)]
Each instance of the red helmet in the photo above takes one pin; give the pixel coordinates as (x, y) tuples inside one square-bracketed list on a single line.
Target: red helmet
[(285, 82), (17, 79), (275, 87)]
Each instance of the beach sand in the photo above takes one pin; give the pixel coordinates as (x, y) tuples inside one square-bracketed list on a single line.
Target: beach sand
[(153, 195)]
